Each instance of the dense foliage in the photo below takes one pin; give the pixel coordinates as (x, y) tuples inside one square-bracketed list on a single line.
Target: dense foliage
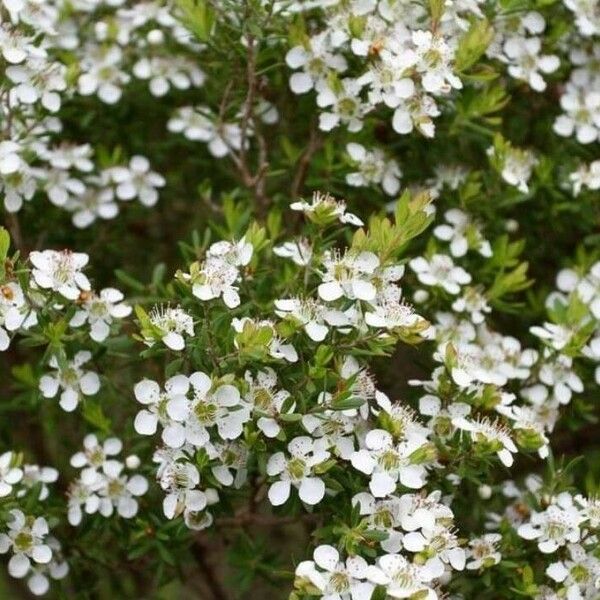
[(300, 299)]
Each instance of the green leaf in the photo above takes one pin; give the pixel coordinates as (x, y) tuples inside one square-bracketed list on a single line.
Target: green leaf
[(93, 414), (4, 244), (347, 404), (198, 17), (472, 45), (129, 281)]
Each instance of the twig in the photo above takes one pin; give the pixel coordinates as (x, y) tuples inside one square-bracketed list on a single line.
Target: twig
[(314, 144), (14, 228), (201, 552), (247, 518)]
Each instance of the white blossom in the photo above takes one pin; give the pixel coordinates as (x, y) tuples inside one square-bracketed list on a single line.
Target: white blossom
[(71, 380), (61, 272), (297, 470)]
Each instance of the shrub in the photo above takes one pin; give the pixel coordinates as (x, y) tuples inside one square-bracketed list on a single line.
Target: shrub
[(300, 299)]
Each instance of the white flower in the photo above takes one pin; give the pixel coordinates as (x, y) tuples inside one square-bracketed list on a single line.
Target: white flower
[(267, 400), (373, 169), (451, 176), (69, 156), (515, 165), (164, 72), (587, 17), (25, 537), (558, 375), (581, 111), (60, 271), (434, 56), (101, 73), (525, 61), (172, 324), (442, 417), (137, 181), (347, 108), (312, 316), (299, 251), (14, 7), (462, 233), (99, 310), (417, 511), (400, 418), (60, 187), (392, 312), (589, 509), (490, 434), (10, 474), (10, 159), (95, 202), (588, 289), (16, 47), (440, 546), (440, 271), (15, 312), (388, 463), (555, 526), (401, 578), (34, 475), (297, 470), (218, 275), (96, 457), (334, 578), (79, 495), (179, 480), (148, 393), (335, 428), (350, 275), (120, 491), (324, 209), (200, 124), (482, 552), (38, 80), (71, 379), (38, 575), (417, 112), (233, 456), (383, 515), (20, 186), (216, 278), (102, 485), (210, 405), (473, 302), (558, 336), (580, 573), (586, 176), (316, 61)]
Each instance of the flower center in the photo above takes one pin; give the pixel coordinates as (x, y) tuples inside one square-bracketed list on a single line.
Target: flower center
[(206, 412), (296, 468), (23, 541)]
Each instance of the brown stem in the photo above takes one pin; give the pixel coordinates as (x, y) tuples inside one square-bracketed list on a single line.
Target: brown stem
[(14, 228), (201, 553), (247, 518), (314, 144)]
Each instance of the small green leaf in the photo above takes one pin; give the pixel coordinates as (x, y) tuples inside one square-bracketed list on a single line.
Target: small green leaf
[(472, 45)]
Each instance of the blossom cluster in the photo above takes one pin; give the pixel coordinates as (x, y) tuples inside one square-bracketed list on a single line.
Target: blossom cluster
[(404, 60), (275, 377), (35, 554), (103, 485), (38, 47)]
